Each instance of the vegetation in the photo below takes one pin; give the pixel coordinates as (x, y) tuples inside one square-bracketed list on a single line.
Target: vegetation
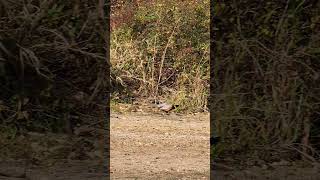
[(264, 85), (264, 70), (265, 78), (160, 49), (53, 66)]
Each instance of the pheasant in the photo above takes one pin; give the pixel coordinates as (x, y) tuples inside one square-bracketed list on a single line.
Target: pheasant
[(166, 107)]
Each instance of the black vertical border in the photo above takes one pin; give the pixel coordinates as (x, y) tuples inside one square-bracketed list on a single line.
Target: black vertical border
[(105, 7), (107, 123), (212, 52)]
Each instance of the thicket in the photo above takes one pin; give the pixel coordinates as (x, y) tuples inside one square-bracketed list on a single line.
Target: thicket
[(53, 66), (265, 78), (160, 49)]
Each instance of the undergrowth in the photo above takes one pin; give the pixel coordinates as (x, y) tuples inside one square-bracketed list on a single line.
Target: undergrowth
[(265, 77), (53, 65), (160, 50), (264, 86)]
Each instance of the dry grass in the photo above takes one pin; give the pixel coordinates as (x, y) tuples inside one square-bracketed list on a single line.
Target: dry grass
[(53, 63), (266, 79), (158, 54)]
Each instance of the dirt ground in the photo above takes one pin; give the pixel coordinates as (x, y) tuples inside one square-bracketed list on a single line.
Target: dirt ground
[(148, 145), (160, 146)]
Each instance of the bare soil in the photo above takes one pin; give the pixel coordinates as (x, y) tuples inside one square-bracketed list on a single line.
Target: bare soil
[(160, 146), (172, 146), (154, 146)]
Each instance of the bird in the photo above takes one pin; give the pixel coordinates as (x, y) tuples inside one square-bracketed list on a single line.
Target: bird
[(166, 107)]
